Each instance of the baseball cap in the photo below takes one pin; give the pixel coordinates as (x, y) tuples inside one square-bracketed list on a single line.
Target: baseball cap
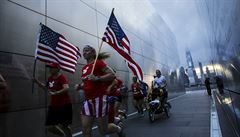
[(53, 65)]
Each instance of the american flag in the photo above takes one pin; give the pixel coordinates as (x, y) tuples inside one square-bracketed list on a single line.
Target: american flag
[(117, 39), (53, 47)]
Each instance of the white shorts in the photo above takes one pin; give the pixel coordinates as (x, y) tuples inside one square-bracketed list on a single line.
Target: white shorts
[(97, 107)]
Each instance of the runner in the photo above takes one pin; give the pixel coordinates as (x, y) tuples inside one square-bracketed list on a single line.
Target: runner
[(94, 86), (59, 115)]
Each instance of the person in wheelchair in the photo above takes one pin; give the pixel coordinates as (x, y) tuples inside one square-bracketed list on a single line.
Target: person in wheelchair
[(159, 90)]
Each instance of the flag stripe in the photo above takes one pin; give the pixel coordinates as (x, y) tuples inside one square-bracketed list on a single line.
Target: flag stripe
[(126, 45), (69, 44), (66, 51), (53, 47), (53, 59), (128, 58), (62, 63), (126, 38), (116, 43), (108, 38), (57, 55), (50, 60), (127, 50), (66, 47), (133, 66), (120, 50), (117, 39), (66, 54), (114, 39)]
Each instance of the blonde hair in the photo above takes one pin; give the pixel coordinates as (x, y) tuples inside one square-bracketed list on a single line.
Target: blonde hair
[(103, 55)]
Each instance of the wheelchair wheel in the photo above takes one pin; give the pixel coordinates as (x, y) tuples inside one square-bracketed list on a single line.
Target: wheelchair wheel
[(151, 115), (166, 110)]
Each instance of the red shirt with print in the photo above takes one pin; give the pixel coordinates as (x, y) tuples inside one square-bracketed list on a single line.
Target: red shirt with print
[(115, 91), (136, 89), (93, 89), (56, 84)]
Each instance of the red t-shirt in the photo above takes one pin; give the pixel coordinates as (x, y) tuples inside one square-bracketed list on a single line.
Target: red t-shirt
[(136, 89), (93, 89), (56, 84), (115, 91)]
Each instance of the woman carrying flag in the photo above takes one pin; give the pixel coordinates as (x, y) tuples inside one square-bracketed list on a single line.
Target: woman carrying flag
[(95, 106)]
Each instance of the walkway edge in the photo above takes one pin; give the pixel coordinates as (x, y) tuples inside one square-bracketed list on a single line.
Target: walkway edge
[(215, 130)]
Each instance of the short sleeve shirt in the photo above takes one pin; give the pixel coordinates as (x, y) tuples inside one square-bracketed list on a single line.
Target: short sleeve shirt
[(159, 82), (93, 89), (56, 84), (136, 89), (115, 91)]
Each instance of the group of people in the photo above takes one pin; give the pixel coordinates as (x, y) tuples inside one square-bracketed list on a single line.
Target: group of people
[(103, 93), (97, 84), (219, 83)]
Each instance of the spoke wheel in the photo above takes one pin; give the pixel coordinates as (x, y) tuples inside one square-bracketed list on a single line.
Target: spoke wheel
[(151, 116)]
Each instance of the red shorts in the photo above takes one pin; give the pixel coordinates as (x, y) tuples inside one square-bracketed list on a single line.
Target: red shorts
[(97, 107)]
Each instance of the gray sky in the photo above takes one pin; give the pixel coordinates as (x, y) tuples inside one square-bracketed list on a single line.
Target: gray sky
[(183, 19), (180, 15)]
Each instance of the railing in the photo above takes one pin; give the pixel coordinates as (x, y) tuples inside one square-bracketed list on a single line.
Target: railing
[(229, 94), (232, 91)]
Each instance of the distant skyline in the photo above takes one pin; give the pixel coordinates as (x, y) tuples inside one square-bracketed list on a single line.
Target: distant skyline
[(183, 19)]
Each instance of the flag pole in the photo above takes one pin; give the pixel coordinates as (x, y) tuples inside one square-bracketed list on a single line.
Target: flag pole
[(94, 64), (35, 60), (34, 70)]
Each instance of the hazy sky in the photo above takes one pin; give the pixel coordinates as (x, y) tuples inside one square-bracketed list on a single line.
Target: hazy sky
[(180, 15), (183, 19)]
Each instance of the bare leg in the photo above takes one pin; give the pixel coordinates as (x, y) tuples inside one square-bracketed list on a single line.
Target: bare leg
[(87, 125), (105, 128), (140, 105), (125, 103), (135, 104), (116, 108)]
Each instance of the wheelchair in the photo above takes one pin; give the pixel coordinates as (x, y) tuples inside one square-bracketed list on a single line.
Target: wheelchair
[(155, 107)]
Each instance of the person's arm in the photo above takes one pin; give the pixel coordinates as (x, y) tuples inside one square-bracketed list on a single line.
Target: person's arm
[(164, 82), (152, 84), (109, 75), (40, 84), (141, 89), (147, 87), (110, 86), (64, 89)]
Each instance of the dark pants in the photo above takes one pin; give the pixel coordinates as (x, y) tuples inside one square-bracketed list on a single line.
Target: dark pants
[(59, 115), (220, 89), (209, 91)]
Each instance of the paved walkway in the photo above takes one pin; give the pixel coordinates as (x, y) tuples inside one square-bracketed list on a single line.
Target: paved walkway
[(189, 117)]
